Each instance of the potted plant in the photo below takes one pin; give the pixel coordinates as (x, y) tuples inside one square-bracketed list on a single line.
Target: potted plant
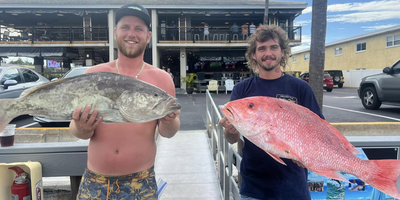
[(189, 80)]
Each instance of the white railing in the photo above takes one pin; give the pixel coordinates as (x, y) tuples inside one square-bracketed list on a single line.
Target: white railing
[(225, 156)]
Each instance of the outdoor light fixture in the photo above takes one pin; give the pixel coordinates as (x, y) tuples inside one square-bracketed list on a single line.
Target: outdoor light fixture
[(15, 14), (60, 15), (87, 55), (246, 14), (183, 55), (38, 14), (226, 22), (228, 15), (208, 14)]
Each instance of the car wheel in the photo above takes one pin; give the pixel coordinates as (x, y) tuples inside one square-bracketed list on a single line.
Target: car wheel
[(340, 85), (370, 99), (329, 90)]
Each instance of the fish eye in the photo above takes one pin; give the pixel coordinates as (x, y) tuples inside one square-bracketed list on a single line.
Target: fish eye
[(251, 105), (156, 94)]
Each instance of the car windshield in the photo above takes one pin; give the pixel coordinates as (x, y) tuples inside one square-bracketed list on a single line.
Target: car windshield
[(327, 76), (75, 72)]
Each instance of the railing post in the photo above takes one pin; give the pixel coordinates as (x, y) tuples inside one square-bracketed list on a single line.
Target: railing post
[(33, 34), (70, 34)]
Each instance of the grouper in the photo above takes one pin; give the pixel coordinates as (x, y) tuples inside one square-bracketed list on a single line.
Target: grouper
[(285, 129), (118, 98)]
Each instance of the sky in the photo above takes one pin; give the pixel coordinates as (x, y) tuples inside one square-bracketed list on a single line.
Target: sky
[(348, 18)]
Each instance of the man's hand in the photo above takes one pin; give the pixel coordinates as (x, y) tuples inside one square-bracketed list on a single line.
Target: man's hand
[(299, 164), (231, 134), (170, 117), (84, 125)]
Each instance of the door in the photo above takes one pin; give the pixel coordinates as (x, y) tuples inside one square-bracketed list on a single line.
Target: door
[(390, 84), (15, 90)]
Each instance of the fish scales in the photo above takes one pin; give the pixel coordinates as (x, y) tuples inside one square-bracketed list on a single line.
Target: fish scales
[(118, 98), (284, 129)]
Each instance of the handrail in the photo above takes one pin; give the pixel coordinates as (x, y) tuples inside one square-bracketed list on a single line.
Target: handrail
[(223, 152)]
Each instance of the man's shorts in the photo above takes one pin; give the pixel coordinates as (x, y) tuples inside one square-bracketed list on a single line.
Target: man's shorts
[(138, 186)]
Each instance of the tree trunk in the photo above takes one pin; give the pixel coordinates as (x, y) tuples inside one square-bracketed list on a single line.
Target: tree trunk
[(317, 50), (266, 12)]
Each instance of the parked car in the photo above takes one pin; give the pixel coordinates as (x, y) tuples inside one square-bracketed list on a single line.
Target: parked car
[(50, 122), (337, 76), (381, 88), (328, 81), (14, 80)]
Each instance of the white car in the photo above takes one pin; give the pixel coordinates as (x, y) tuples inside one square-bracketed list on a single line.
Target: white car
[(49, 122), (14, 80)]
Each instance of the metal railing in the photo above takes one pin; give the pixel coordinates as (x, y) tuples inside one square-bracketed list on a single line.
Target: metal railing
[(227, 157), (40, 34), (224, 34), (224, 154)]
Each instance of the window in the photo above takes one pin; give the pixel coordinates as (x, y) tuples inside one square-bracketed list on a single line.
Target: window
[(29, 75), (338, 51), (306, 57), (393, 40), (361, 47), (11, 74), (294, 59)]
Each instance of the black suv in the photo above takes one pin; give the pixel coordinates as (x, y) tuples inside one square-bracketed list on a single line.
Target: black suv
[(337, 76), (378, 88)]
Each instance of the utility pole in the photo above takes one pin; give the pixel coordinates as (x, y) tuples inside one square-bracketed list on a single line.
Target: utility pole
[(266, 12)]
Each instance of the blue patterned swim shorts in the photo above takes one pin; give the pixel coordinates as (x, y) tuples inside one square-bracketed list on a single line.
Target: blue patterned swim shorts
[(137, 186)]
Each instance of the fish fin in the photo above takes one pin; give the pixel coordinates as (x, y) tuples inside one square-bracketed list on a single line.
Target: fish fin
[(350, 147), (276, 158), (384, 176), (109, 115), (6, 114), (31, 90), (332, 174)]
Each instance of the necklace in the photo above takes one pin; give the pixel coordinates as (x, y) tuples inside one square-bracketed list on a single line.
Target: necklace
[(116, 66)]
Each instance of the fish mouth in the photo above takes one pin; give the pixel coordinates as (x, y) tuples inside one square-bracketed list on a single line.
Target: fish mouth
[(228, 112), (173, 104)]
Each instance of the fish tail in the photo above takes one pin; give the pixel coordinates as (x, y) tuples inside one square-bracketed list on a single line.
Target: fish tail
[(385, 176), (7, 114)]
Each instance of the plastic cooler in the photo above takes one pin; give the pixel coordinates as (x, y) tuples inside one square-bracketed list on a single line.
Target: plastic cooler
[(34, 169)]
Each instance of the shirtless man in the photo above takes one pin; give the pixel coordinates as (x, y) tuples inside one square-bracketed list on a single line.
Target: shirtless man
[(121, 156)]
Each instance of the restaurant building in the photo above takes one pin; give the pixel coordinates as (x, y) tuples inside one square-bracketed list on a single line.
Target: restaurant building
[(187, 36)]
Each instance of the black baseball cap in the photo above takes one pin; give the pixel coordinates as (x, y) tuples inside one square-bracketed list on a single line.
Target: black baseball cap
[(134, 10)]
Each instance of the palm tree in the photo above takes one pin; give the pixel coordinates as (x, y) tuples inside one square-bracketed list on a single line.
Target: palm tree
[(317, 49)]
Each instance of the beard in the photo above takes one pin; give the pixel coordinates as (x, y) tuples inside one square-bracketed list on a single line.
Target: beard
[(269, 67), (131, 52)]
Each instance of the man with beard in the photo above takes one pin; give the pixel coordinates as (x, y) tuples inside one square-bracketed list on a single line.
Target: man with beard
[(121, 156), (262, 177)]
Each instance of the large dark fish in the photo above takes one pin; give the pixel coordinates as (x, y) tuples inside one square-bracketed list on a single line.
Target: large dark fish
[(118, 98)]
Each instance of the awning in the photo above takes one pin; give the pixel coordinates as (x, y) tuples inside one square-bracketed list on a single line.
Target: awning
[(31, 51), (211, 56), (61, 11)]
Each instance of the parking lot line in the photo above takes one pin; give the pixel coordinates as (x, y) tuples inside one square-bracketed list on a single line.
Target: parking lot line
[(364, 113)]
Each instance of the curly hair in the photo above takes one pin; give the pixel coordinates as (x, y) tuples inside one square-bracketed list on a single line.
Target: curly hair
[(264, 34)]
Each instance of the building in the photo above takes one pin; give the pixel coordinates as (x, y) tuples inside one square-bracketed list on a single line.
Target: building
[(187, 36), (374, 50)]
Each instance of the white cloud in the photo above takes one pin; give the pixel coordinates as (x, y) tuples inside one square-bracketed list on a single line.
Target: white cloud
[(364, 17), (363, 12), (302, 23), (307, 10), (385, 5), (377, 27), (305, 43)]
